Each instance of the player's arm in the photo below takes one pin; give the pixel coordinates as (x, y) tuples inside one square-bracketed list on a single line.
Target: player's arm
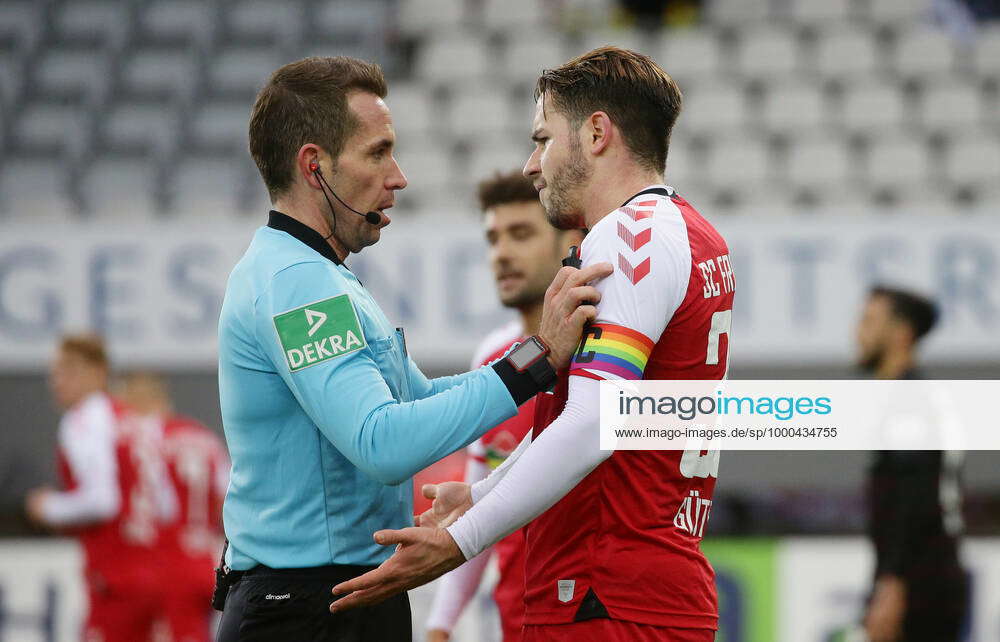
[(457, 587), (347, 397), (87, 440), (631, 315), (915, 507)]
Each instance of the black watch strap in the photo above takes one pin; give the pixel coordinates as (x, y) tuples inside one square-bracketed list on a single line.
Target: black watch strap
[(523, 384)]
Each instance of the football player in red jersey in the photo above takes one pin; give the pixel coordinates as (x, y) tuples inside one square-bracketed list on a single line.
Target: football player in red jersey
[(114, 494), (525, 251), (191, 540), (613, 551)]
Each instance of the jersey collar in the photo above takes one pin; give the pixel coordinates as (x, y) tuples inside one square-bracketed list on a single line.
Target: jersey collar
[(298, 230), (661, 190)]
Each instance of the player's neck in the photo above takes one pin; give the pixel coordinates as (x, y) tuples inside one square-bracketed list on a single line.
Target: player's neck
[(531, 318), (310, 214), (895, 365), (607, 193)]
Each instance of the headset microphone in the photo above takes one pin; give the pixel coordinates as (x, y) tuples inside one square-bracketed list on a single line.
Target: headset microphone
[(373, 218)]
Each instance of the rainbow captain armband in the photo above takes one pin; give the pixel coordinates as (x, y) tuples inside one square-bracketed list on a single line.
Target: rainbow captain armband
[(614, 350)]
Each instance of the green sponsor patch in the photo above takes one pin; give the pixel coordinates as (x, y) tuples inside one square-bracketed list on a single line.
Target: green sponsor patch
[(319, 331)]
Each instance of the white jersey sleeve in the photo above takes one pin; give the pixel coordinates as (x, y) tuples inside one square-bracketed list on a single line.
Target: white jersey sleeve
[(646, 241), (87, 440)]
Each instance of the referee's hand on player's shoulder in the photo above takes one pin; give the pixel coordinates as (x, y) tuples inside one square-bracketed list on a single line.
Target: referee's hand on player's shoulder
[(570, 303)]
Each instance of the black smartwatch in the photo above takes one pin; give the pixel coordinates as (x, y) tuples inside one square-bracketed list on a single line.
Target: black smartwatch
[(530, 357)]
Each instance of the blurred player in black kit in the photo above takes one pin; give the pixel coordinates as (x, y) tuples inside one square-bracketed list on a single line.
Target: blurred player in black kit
[(920, 590)]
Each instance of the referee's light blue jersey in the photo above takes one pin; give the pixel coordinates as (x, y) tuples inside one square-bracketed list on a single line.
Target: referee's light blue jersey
[(326, 416)]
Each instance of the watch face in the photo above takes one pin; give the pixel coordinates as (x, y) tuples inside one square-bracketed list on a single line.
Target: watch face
[(525, 354)]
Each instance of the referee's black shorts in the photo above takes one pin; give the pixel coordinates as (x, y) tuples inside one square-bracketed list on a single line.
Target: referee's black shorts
[(293, 605)]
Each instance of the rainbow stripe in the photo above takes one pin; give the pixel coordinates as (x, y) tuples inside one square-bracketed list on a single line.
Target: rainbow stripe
[(612, 349)]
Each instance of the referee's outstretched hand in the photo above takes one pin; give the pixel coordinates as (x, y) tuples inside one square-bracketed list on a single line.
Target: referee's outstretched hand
[(422, 554), (570, 303)]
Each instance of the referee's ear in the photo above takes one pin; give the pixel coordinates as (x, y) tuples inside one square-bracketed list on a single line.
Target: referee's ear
[(309, 163)]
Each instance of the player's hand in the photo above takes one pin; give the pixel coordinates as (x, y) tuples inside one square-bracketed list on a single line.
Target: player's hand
[(570, 303), (34, 503), (451, 500), (884, 621), (422, 554), (438, 635)]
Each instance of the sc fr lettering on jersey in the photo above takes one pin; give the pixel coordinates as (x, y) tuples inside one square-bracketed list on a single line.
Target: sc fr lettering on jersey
[(726, 282)]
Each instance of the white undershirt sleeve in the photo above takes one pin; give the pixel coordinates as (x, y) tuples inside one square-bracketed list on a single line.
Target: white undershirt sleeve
[(87, 438), (566, 452)]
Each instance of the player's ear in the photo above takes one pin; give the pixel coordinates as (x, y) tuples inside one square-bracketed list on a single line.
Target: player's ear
[(599, 130)]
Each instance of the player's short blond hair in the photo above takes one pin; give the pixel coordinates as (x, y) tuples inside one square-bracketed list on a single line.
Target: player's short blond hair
[(89, 347)]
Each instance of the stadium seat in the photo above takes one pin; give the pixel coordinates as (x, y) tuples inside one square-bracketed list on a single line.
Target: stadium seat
[(20, 21), (480, 110), (924, 54), (422, 16), (690, 55), (768, 53), (739, 163), (71, 74), (819, 14), (497, 154), (240, 72), (873, 107), (160, 73), (713, 109), (412, 107), (685, 164), (251, 20), (528, 52), (49, 128), (792, 107), (974, 160), (29, 193), (454, 58), (140, 128), (847, 54), (429, 171), (951, 107), (119, 189), (93, 21), (178, 20), (625, 38), (738, 13), (820, 163), (500, 15), (895, 12), (987, 54), (204, 187), (12, 77), (897, 162), (221, 127)]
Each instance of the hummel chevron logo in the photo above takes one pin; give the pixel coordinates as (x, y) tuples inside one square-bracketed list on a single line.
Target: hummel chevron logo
[(315, 320), (633, 274), (634, 241), (634, 214)]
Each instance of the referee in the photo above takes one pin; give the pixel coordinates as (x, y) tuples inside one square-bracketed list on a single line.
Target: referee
[(325, 414)]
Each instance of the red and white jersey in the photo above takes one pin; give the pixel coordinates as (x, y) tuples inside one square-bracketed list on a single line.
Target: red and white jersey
[(198, 467), (114, 486), (626, 538)]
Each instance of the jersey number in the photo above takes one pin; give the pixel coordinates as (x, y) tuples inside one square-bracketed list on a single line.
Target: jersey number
[(721, 322)]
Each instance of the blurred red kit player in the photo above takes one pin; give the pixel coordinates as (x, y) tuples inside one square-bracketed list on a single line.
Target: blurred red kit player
[(191, 538), (115, 491)]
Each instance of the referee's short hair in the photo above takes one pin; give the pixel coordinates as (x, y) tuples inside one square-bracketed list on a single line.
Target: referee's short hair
[(917, 311), (306, 102)]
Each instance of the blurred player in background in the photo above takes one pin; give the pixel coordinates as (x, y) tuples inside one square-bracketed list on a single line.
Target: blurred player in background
[(525, 253), (613, 551), (920, 590), (190, 542), (114, 494)]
